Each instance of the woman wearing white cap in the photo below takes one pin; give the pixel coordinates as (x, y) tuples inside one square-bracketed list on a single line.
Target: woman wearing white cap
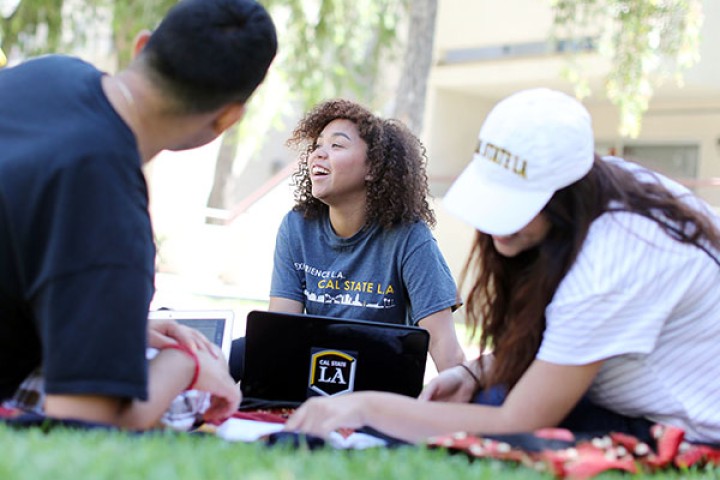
[(597, 291)]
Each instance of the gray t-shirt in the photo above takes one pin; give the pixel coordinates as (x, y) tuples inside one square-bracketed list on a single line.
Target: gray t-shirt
[(395, 275)]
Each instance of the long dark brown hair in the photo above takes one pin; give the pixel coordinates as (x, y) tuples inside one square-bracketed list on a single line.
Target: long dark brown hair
[(508, 297), (397, 184)]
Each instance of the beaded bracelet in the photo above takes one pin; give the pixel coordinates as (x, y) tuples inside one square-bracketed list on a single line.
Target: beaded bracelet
[(472, 374), (193, 355)]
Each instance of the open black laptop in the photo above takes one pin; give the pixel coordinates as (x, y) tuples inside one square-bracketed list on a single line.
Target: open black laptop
[(290, 357)]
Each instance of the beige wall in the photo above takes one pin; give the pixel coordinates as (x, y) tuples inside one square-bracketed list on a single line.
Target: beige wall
[(453, 121), (470, 23)]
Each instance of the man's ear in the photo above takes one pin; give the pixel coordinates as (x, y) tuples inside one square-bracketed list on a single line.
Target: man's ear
[(141, 40), (228, 116)]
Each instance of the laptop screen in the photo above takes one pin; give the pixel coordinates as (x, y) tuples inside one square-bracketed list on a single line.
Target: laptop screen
[(216, 325), (212, 328), (290, 357)]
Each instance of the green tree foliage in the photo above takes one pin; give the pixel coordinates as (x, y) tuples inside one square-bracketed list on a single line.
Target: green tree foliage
[(334, 47), (33, 26), (645, 41), (328, 47)]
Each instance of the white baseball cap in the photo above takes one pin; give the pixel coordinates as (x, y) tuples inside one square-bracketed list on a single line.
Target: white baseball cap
[(532, 144)]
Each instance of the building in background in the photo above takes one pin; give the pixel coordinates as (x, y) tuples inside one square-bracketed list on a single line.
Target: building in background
[(484, 50)]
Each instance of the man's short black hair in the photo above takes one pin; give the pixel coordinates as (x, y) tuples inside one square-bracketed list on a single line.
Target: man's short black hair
[(208, 53)]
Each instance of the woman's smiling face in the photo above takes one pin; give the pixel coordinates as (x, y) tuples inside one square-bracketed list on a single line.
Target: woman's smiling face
[(338, 164)]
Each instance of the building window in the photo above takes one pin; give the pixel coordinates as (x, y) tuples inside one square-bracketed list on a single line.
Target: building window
[(679, 162)]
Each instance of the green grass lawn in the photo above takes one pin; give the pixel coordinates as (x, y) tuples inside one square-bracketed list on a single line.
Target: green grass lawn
[(76, 455)]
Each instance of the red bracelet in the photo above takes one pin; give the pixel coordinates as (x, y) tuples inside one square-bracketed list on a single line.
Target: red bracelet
[(193, 355)]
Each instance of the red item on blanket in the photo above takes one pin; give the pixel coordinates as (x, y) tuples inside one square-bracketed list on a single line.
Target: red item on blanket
[(271, 416), (9, 412), (558, 452), (278, 416)]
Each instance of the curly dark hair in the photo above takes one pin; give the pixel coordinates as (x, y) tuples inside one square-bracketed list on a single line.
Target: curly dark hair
[(508, 295), (397, 184)]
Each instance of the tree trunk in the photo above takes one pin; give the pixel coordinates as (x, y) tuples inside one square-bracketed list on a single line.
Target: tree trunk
[(410, 103), (223, 173)]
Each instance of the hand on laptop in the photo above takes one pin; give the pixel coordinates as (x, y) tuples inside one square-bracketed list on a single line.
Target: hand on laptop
[(162, 333), (215, 379)]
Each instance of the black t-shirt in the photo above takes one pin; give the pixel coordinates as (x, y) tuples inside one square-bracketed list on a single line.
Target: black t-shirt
[(76, 247)]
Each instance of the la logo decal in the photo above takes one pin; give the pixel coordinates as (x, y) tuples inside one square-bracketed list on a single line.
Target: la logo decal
[(332, 372)]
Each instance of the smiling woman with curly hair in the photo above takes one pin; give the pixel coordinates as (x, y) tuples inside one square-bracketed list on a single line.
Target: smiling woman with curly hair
[(396, 182), (357, 243)]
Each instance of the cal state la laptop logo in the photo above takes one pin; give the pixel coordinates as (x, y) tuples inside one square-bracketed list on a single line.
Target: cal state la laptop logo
[(332, 372)]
